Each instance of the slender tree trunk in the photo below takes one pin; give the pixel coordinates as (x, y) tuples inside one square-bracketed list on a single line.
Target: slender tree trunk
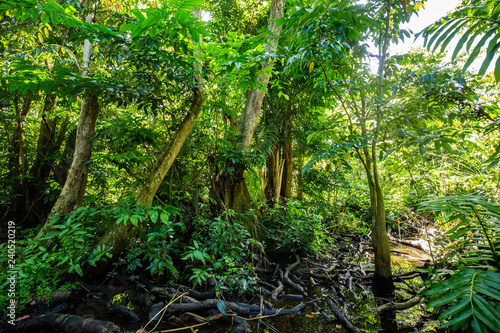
[(383, 284), (300, 180), (272, 165), (61, 170), (287, 179), (251, 113), (49, 142), (117, 236), (231, 187), (73, 191), (18, 164), (148, 190)]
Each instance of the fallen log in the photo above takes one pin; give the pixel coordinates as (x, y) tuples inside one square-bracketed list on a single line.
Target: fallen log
[(421, 245), (198, 295), (123, 312)]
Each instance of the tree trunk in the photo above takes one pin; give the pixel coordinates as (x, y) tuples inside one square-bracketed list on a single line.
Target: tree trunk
[(17, 177), (118, 235), (73, 191), (251, 113), (236, 191), (383, 284), (300, 179), (148, 190), (272, 165), (61, 170), (287, 179), (48, 144), (74, 188)]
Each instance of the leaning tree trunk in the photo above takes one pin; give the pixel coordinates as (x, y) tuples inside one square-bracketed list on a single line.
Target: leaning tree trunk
[(251, 113), (231, 187), (117, 236), (73, 191)]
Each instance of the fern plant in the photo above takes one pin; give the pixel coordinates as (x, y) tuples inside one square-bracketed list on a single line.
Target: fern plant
[(472, 294)]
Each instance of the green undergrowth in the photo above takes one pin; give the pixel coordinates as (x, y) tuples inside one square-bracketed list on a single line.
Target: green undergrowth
[(465, 289)]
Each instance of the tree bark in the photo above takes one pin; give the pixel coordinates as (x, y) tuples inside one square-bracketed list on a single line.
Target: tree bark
[(251, 113), (287, 179), (231, 186), (383, 284), (49, 142), (73, 191), (272, 165), (74, 188), (117, 236), (17, 179)]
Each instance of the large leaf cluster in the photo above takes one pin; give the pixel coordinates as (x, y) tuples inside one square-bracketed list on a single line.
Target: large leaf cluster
[(471, 295), (481, 32)]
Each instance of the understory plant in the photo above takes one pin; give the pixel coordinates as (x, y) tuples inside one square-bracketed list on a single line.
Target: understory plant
[(40, 270), (469, 294), (294, 228), (222, 249)]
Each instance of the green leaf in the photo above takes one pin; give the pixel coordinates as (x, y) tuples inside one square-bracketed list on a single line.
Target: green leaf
[(455, 308), (477, 48), (449, 297), (221, 305), (164, 217), (458, 321), (487, 290), (78, 269), (463, 39), (487, 313)]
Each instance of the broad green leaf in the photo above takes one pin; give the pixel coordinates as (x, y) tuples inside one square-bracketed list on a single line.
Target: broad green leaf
[(449, 297), (486, 313), (455, 308), (477, 48), (221, 305), (464, 317)]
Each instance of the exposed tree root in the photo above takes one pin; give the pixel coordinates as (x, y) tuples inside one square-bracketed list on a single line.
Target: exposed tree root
[(343, 320), (399, 306), (287, 279), (276, 291), (66, 323)]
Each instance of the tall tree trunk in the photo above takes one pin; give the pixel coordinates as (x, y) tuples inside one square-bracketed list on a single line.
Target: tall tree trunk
[(61, 170), (383, 284), (117, 236), (18, 167), (272, 165), (49, 142), (287, 179), (231, 186), (300, 179), (73, 191), (251, 113)]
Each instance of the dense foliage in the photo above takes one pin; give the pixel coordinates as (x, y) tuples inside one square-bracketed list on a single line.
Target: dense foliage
[(337, 147)]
